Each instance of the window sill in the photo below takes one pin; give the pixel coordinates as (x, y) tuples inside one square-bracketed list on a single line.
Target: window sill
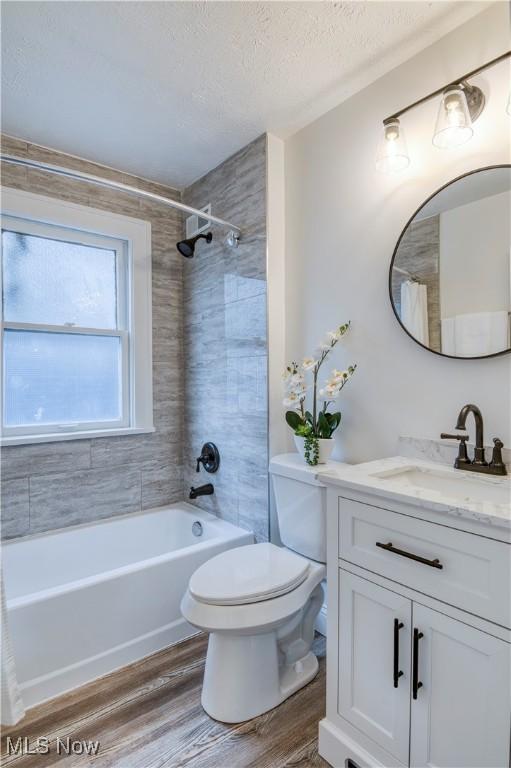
[(89, 434)]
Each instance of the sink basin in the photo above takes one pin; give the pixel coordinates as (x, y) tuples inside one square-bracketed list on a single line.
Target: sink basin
[(454, 484)]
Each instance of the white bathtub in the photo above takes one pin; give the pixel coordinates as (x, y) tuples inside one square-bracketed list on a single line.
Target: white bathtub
[(86, 600)]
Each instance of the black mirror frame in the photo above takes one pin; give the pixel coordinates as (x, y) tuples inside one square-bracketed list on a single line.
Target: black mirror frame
[(434, 351)]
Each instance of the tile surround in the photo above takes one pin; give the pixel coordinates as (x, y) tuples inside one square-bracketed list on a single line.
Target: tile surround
[(218, 307), (76, 497), (50, 485), (419, 254), (226, 343), (15, 507)]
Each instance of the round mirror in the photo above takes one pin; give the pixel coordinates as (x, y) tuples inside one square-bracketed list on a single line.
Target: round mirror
[(450, 275)]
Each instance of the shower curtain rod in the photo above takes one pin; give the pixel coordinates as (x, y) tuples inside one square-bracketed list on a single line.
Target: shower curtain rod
[(60, 171)]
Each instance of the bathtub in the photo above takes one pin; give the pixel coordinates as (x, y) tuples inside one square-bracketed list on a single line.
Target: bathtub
[(88, 599)]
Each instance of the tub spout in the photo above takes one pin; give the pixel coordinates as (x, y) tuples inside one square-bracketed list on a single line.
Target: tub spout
[(202, 490)]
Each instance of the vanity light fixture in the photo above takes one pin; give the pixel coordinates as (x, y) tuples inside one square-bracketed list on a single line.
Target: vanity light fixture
[(460, 106), (456, 114), (392, 153)]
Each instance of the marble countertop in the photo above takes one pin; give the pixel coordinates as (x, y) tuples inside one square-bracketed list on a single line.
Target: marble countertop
[(362, 477), (443, 451)]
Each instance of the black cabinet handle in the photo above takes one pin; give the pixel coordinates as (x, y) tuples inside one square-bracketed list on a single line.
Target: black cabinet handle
[(397, 673), (418, 559), (416, 684)]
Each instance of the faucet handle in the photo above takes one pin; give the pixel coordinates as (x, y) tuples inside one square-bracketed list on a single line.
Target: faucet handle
[(447, 436), (462, 457), (497, 465)]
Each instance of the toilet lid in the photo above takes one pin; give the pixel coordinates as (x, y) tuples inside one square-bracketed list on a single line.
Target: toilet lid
[(248, 574)]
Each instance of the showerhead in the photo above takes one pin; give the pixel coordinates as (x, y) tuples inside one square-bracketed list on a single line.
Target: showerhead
[(187, 247)]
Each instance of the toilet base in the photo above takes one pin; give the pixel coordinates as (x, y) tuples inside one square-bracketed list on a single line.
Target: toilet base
[(247, 675)]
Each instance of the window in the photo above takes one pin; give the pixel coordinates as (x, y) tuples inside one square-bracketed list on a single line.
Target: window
[(76, 358)]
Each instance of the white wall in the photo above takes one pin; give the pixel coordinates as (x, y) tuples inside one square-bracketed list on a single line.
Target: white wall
[(276, 298), (276, 272), (475, 241), (342, 222)]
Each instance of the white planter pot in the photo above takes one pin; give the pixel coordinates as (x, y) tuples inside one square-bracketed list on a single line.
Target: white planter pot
[(326, 446)]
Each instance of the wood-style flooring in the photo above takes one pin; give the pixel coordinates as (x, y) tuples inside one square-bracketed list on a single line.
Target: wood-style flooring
[(148, 715)]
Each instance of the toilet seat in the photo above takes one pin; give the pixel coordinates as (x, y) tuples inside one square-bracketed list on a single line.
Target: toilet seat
[(251, 618), (249, 574)]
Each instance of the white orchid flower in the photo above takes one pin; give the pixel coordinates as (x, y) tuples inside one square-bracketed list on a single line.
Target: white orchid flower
[(289, 371), (308, 363), (292, 400)]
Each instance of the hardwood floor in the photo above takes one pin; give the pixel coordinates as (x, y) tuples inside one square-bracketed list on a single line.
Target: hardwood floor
[(148, 715)]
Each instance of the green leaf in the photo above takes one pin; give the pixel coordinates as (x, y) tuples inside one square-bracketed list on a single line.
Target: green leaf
[(323, 426), (294, 420), (328, 423), (308, 417)]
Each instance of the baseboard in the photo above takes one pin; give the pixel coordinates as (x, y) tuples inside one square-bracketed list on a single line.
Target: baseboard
[(62, 680), (337, 748)]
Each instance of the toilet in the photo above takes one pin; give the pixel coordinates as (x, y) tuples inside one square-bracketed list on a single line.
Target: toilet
[(259, 602)]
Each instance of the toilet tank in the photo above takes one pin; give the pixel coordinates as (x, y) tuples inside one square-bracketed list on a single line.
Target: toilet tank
[(301, 504)]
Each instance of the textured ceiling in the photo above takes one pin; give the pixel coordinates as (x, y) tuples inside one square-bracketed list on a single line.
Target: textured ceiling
[(167, 90)]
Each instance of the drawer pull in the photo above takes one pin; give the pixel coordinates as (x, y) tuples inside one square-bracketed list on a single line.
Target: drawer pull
[(416, 684), (418, 559), (397, 672)]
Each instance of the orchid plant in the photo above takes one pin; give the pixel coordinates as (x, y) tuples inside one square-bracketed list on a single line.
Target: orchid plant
[(320, 423)]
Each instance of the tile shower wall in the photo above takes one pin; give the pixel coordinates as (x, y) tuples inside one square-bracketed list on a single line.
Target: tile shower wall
[(225, 343), (50, 485), (419, 254)]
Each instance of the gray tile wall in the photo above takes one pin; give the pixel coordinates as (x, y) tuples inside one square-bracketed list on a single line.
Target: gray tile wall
[(419, 253), (225, 343), (46, 486)]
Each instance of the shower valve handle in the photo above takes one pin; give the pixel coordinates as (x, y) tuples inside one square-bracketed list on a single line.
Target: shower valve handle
[(209, 458)]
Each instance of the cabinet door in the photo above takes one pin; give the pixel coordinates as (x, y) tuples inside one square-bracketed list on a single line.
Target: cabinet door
[(370, 643), (461, 716)]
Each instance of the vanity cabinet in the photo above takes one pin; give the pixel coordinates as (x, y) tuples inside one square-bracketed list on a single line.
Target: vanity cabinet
[(371, 620), (413, 677), (461, 714)]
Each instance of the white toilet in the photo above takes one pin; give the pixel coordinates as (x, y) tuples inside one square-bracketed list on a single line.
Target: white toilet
[(259, 603)]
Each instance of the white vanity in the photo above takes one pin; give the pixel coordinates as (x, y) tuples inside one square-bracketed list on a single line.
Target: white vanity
[(419, 617)]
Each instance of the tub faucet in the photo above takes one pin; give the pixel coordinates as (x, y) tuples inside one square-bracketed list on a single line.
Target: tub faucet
[(202, 490), (479, 463)]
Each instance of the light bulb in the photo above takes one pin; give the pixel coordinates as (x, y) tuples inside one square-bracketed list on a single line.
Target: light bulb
[(453, 125), (392, 154)]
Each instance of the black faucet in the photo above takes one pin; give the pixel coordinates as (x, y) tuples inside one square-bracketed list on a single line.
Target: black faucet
[(479, 463), (202, 490)]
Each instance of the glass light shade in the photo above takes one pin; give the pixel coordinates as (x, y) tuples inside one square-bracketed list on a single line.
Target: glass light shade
[(508, 108), (454, 124), (392, 154)]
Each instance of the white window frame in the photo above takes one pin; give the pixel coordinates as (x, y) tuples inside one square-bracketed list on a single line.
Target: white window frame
[(131, 239)]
